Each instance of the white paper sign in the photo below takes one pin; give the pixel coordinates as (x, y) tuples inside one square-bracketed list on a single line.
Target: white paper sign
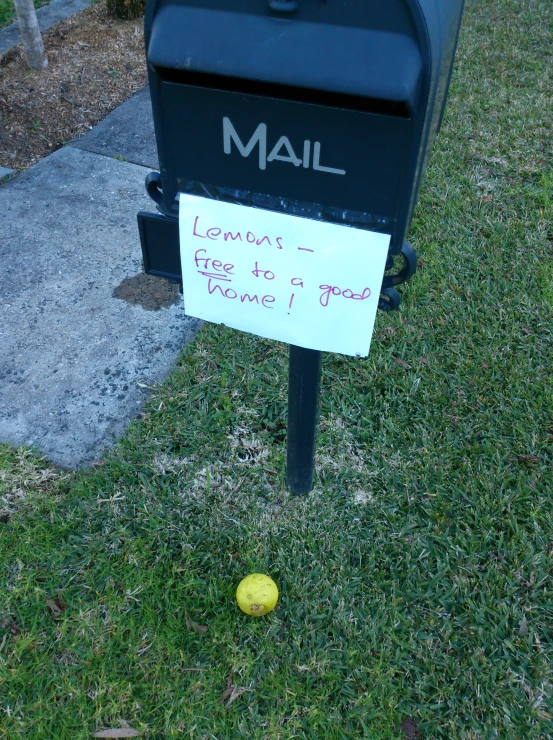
[(299, 281)]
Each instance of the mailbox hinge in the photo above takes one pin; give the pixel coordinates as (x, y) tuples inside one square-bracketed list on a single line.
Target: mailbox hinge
[(389, 296)]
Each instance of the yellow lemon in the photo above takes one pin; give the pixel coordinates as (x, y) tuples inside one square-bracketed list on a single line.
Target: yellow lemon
[(257, 594)]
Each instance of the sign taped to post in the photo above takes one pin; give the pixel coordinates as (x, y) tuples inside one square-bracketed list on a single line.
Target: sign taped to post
[(296, 280)]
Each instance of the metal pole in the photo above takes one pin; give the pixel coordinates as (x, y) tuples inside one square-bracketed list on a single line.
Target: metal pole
[(304, 377)]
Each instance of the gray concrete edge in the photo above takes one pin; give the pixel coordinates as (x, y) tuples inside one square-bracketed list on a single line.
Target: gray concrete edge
[(5, 173)]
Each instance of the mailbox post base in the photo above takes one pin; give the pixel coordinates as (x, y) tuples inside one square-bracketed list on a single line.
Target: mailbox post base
[(304, 378)]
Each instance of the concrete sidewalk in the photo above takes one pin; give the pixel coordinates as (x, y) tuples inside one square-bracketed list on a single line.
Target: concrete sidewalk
[(4, 172), (128, 132), (74, 358), (47, 16)]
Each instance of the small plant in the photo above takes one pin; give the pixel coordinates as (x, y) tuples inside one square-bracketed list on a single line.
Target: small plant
[(126, 10)]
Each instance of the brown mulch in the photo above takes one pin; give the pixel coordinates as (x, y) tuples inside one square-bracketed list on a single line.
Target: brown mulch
[(94, 64)]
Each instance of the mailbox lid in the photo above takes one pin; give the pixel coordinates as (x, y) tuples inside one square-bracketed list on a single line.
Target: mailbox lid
[(362, 62)]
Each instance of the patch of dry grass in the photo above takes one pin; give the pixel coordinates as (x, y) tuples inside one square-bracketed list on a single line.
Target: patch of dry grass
[(24, 478)]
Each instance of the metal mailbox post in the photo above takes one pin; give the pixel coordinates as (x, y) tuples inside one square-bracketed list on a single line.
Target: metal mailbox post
[(325, 109)]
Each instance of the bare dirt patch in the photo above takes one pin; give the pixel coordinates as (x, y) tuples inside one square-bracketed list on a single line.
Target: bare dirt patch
[(94, 64), (149, 291)]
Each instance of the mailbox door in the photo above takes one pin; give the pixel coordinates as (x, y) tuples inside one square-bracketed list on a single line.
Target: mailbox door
[(341, 160)]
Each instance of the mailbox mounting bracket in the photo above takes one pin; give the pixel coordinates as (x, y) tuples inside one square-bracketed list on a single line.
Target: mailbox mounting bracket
[(159, 235)]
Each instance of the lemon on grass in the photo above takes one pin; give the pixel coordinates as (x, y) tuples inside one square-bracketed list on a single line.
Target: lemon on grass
[(257, 594)]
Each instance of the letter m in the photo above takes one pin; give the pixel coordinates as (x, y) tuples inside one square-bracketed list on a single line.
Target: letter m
[(259, 137), (248, 297)]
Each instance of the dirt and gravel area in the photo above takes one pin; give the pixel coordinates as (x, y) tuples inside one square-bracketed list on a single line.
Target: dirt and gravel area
[(94, 64)]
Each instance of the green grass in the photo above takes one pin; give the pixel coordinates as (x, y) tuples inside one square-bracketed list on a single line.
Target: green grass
[(7, 11), (416, 579)]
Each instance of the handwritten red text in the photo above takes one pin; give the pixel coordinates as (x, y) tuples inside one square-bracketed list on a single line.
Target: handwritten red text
[(329, 290)]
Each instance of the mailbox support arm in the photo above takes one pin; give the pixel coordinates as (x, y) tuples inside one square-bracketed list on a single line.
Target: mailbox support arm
[(304, 378)]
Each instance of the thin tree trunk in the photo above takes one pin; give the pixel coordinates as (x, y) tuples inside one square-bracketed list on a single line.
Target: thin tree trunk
[(30, 34)]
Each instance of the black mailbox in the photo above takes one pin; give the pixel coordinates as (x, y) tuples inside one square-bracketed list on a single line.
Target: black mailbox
[(325, 109), (319, 108)]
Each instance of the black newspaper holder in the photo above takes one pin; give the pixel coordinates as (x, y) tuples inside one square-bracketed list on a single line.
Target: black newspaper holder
[(325, 109)]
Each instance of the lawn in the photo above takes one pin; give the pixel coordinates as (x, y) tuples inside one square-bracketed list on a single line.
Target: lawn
[(416, 591), (7, 11)]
